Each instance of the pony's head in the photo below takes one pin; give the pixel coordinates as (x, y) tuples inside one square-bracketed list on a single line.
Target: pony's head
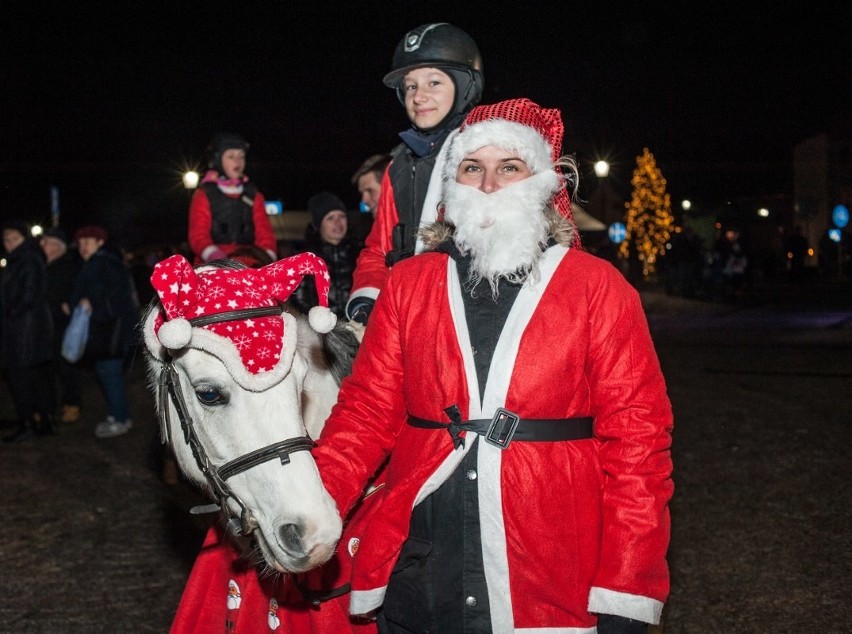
[(240, 387)]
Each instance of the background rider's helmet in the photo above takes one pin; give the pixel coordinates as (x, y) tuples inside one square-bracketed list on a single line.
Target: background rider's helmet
[(220, 143), (446, 47)]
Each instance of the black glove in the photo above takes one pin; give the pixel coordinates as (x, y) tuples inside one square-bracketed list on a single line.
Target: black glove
[(614, 624), (359, 309)]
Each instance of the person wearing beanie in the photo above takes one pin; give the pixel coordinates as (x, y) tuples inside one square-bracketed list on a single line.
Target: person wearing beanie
[(509, 396), (228, 211), (62, 269), (26, 334), (437, 75), (327, 236), (105, 288)]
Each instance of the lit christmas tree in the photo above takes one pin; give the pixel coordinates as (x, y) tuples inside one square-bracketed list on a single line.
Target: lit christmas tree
[(649, 215)]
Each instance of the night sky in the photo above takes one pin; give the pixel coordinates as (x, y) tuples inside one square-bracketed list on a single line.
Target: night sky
[(110, 103)]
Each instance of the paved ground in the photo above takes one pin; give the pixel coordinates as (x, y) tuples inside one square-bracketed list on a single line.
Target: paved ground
[(94, 541)]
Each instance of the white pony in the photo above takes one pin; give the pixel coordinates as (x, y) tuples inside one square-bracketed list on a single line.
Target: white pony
[(242, 384)]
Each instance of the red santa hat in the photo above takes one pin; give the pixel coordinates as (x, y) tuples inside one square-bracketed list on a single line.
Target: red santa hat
[(257, 350), (518, 125)]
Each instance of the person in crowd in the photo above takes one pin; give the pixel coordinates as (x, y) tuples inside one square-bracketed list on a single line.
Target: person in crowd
[(437, 75), (26, 334), (367, 179), (227, 210), (795, 251), (327, 236), (62, 268), (508, 387), (140, 270), (729, 266), (683, 265), (105, 288)]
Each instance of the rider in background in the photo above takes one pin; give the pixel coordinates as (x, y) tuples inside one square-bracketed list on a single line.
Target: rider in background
[(437, 75), (227, 211)]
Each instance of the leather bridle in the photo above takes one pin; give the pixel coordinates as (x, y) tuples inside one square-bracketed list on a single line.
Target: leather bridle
[(217, 475)]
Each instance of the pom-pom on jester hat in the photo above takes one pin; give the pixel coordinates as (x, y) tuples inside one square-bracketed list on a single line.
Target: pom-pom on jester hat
[(235, 314), (519, 125)]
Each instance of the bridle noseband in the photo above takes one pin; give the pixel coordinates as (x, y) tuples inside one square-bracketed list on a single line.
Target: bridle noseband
[(217, 476)]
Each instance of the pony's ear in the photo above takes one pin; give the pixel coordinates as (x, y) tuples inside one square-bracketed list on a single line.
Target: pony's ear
[(176, 284)]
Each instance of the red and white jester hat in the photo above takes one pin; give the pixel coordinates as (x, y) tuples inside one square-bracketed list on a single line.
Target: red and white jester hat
[(256, 350), (519, 125)]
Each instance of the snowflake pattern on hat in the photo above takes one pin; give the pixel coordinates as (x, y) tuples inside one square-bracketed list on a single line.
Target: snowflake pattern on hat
[(186, 294)]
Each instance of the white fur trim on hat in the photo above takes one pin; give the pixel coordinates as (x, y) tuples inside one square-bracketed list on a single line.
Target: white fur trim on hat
[(321, 319), (223, 348), (508, 135)]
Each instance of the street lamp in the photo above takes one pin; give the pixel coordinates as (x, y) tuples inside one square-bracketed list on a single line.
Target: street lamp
[(599, 202), (190, 179)]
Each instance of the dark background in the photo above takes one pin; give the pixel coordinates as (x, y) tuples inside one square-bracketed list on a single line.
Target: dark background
[(111, 102)]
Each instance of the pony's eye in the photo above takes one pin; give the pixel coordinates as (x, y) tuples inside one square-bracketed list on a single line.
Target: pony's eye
[(210, 396)]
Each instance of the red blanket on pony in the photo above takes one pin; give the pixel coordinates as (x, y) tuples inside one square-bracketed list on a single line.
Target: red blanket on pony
[(224, 593)]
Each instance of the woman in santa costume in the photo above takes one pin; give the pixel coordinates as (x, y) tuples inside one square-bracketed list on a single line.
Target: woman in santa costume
[(509, 384)]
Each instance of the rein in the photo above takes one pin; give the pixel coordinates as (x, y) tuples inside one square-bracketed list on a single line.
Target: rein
[(217, 476)]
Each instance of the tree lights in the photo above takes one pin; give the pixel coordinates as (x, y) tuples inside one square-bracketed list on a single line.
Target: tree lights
[(649, 216)]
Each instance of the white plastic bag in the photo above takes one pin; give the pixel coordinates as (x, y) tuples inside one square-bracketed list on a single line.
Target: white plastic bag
[(76, 335)]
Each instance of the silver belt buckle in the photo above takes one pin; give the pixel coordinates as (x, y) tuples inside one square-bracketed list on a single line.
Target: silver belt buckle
[(502, 428)]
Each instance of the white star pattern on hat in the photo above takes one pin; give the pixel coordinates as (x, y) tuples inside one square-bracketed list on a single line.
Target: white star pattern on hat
[(186, 294)]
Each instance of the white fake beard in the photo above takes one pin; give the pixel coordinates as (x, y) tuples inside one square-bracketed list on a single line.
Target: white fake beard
[(506, 231)]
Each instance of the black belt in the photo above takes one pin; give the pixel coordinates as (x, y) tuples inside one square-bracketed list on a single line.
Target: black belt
[(506, 426)]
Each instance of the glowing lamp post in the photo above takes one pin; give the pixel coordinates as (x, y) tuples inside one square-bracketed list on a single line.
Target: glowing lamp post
[(190, 179), (601, 197)]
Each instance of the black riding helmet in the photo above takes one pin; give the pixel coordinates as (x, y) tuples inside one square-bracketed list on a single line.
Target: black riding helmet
[(221, 142), (448, 48)]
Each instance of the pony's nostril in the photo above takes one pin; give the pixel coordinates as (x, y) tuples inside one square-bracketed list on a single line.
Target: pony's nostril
[(290, 536)]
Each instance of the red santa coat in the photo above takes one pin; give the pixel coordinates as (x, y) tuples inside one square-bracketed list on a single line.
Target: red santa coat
[(569, 528)]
